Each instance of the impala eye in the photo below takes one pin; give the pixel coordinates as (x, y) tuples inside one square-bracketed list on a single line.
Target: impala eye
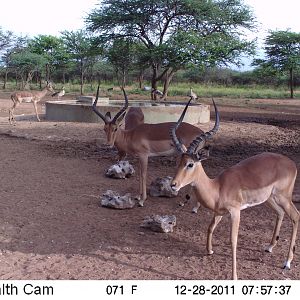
[(190, 165), (115, 129)]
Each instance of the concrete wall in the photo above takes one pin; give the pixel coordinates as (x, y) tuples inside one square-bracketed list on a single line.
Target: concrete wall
[(72, 111)]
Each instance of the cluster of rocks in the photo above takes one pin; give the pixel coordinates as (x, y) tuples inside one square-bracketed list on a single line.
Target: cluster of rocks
[(160, 187)]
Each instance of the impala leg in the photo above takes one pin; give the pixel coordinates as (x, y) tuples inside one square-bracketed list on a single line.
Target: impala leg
[(121, 155), (280, 214), (11, 116), (140, 183), (294, 215), (143, 179), (36, 111), (196, 207), (235, 222), (215, 221)]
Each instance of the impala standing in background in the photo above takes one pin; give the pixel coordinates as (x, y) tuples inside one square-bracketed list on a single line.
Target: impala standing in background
[(28, 96), (267, 177), (144, 140)]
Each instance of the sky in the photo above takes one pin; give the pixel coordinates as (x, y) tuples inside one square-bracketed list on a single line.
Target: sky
[(34, 17), (275, 15)]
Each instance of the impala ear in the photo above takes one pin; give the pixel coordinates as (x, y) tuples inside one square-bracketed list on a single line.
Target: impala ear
[(203, 153), (108, 116)]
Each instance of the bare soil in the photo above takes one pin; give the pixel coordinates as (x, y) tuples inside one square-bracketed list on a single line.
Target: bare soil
[(53, 227)]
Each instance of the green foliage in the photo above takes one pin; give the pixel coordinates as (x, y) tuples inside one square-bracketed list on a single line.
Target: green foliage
[(28, 61), (121, 55), (176, 33), (234, 92), (6, 38), (282, 50), (81, 48), (45, 45)]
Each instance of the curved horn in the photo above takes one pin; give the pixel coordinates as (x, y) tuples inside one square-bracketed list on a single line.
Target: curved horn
[(201, 139), (123, 109), (95, 106), (180, 148)]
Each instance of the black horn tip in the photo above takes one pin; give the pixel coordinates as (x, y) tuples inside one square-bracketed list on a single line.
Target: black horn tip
[(97, 96)]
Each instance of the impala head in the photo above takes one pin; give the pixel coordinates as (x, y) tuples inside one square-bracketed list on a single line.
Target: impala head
[(193, 155), (111, 125)]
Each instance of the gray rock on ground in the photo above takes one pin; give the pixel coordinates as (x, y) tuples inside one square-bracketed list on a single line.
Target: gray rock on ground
[(161, 187), (121, 170), (159, 223), (112, 199)]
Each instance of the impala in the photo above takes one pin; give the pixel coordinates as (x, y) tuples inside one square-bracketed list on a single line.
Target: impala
[(133, 118), (144, 140), (28, 96), (267, 177)]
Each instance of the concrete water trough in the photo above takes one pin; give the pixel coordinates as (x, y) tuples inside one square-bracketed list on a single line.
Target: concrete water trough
[(155, 112)]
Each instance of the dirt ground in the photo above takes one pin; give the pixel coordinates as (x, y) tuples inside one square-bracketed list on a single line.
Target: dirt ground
[(53, 227)]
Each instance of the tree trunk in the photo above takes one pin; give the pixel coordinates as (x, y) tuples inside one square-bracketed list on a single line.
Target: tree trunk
[(28, 79), (47, 72), (154, 81), (292, 83), (64, 77), (81, 77), (5, 78), (16, 80), (123, 79), (141, 79), (168, 78), (39, 79)]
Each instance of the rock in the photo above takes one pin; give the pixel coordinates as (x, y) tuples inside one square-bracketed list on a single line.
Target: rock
[(112, 199), (161, 187), (159, 223), (121, 170)]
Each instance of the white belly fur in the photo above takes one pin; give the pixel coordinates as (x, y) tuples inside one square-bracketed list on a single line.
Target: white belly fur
[(27, 99), (255, 197)]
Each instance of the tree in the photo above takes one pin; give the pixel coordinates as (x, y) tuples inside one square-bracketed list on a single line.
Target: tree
[(17, 45), (81, 48), (50, 47), (7, 42), (27, 63), (282, 49), (174, 32), (121, 55), (6, 38)]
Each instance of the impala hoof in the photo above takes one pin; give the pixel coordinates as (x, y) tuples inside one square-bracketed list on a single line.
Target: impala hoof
[(140, 202), (195, 210), (269, 249), (210, 252), (287, 266)]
